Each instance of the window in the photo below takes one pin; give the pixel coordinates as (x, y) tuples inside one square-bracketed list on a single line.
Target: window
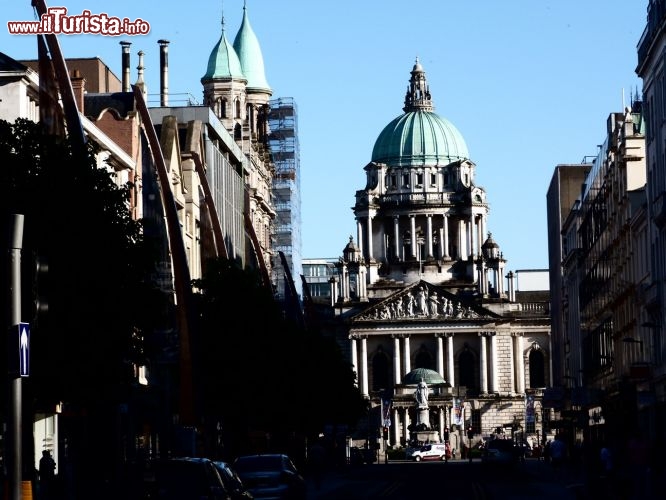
[(419, 179), (537, 365), (405, 180), (424, 359), (433, 179), (380, 371), (466, 369)]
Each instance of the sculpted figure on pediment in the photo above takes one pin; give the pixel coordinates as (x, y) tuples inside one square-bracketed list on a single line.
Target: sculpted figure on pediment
[(410, 304), (433, 302), (423, 301)]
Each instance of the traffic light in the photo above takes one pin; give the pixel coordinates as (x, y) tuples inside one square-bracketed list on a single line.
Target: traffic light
[(40, 288), (386, 429)]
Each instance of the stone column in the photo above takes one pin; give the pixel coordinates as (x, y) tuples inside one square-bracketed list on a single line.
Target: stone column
[(405, 425), (445, 237), (470, 236), (359, 235), (484, 364), (396, 236), (479, 235), (412, 228), (494, 386), (371, 252), (462, 240), (449, 359), (407, 354), (519, 363), (354, 360), (429, 230), (397, 377), (364, 366), (440, 355), (396, 426), (441, 424), (334, 289)]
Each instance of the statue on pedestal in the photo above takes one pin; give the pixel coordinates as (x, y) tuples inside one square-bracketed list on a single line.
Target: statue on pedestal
[(421, 394)]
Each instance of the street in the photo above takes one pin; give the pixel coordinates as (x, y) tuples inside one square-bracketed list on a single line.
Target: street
[(456, 479)]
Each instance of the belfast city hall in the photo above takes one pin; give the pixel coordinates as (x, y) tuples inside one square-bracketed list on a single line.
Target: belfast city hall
[(421, 294)]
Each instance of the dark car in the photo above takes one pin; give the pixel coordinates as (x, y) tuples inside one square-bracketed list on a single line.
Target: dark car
[(271, 476), (500, 452), (232, 481), (188, 479), (359, 456)]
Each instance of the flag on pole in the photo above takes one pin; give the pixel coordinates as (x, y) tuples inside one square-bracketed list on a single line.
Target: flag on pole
[(386, 412), (457, 418)]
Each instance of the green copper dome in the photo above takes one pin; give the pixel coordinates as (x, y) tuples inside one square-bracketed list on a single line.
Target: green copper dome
[(249, 52), (419, 136), (223, 61), (429, 376)]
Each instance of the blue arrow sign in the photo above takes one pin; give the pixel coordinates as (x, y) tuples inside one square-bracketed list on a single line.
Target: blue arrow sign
[(24, 349)]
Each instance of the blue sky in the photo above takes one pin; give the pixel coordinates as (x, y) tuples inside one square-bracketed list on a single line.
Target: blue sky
[(528, 83)]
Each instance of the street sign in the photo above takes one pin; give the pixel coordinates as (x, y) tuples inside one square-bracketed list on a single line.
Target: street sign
[(24, 348)]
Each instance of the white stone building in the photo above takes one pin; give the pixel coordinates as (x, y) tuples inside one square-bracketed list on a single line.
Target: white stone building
[(425, 288)]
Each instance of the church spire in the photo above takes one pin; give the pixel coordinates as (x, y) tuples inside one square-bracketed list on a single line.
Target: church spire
[(417, 97)]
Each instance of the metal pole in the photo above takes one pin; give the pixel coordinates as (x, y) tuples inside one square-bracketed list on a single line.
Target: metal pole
[(16, 398)]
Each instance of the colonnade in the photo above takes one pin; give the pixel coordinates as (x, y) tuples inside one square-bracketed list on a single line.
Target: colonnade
[(470, 233), (445, 359)]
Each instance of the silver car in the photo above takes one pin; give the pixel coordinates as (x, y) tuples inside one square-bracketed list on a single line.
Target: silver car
[(271, 477)]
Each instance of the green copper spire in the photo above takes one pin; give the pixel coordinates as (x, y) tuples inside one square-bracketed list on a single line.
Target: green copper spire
[(249, 52), (223, 62)]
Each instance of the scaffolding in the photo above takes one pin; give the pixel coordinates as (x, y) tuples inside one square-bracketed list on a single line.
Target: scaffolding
[(283, 143)]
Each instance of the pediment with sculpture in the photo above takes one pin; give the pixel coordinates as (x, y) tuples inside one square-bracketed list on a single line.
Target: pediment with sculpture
[(424, 301)]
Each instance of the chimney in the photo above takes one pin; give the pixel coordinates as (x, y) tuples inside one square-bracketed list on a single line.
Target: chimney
[(79, 88), (126, 65), (139, 79), (164, 72)]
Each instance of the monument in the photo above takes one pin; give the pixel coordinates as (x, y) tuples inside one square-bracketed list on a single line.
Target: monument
[(423, 432)]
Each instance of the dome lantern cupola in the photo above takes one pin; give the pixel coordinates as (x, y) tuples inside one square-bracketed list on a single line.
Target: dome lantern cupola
[(419, 137), (417, 97)]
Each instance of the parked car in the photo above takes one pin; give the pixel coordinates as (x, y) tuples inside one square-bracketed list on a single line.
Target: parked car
[(188, 479), (499, 451), (431, 452), (358, 456), (524, 450), (232, 481), (271, 476)]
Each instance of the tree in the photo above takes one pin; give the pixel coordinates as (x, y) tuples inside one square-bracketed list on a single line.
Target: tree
[(78, 219), (262, 371)]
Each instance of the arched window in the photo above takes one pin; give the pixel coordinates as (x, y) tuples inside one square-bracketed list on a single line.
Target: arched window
[(238, 135), (238, 109), (424, 359), (466, 369), (380, 371), (537, 369)]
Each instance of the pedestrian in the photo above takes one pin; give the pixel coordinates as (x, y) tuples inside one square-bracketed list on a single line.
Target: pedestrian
[(447, 445), (470, 437), (557, 452), (47, 468)]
